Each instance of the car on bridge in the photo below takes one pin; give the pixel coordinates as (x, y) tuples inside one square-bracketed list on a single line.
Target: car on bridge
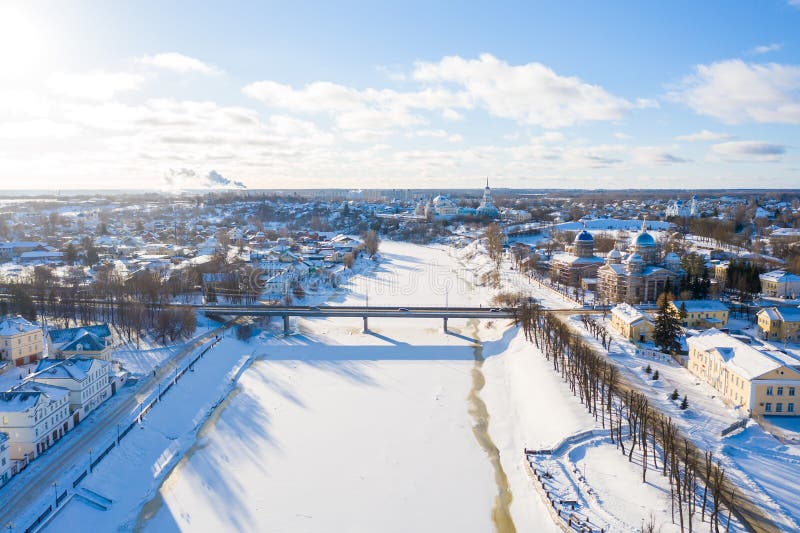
[(403, 309)]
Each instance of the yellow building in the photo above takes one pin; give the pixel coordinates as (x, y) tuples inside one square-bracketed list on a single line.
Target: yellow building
[(779, 323), (780, 283), (702, 313), (755, 381), (631, 323), (20, 341)]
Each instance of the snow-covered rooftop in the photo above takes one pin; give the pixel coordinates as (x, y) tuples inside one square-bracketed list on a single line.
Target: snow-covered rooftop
[(744, 359)]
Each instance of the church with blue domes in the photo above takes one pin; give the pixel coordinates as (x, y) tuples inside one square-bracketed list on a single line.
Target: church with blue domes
[(641, 276)]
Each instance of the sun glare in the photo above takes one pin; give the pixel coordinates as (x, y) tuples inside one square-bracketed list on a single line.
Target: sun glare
[(21, 41)]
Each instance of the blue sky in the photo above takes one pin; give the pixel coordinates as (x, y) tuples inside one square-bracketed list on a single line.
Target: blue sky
[(416, 94)]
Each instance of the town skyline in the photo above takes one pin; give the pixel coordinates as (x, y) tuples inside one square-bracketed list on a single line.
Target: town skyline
[(103, 97)]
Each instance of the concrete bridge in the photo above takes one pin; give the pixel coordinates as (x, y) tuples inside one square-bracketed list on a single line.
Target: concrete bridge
[(359, 311), (488, 313)]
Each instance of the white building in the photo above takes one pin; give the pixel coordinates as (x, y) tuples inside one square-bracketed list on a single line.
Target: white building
[(88, 381), (487, 207), (34, 416), (678, 208), (5, 460), (442, 207)]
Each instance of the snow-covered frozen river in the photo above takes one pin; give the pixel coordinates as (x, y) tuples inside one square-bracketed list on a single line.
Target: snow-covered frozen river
[(336, 430)]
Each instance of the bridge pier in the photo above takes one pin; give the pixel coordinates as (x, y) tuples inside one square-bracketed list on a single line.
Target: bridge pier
[(285, 324), (366, 325), (444, 320)]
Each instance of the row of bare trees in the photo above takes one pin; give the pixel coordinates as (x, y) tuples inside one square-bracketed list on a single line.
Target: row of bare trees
[(639, 430), (135, 305), (597, 330)]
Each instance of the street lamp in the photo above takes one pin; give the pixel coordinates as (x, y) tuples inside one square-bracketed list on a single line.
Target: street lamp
[(55, 491), (117, 433), (90, 460)]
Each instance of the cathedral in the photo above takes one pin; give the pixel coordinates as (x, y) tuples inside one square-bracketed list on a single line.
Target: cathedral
[(680, 209), (487, 208), (641, 276), (579, 261)]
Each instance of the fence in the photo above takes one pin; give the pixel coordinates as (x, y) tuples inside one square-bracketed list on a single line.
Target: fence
[(40, 519), (733, 427), (144, 408)]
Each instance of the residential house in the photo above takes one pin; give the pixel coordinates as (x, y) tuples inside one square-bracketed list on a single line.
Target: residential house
[(41, 256), (631, 323), (87, 341), (702, 313), (35, 416), (88, 381), (10, 250), (756, 381), (20, 341), (5, 460), (779, 323), (780, 283)]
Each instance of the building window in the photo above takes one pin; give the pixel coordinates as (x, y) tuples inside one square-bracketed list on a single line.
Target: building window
[(791, 391), (790, 407), (780, 391), (779, 407), (769, 392)]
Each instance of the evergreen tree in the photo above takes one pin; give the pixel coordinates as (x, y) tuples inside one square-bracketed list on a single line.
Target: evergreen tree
[(648, 369), (22, 304), (655, 375), (684, 403), (70, 254), (667, 326), (674, 396)]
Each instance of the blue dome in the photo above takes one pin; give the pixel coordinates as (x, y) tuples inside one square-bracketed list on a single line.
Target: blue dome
[(584, 236), (644, 239)]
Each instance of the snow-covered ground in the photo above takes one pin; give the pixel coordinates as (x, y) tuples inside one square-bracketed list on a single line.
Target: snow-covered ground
[(405, 428)]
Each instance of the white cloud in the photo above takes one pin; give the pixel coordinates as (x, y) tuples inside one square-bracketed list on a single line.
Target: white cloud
[(452, 114), (38, 129), (374, 110), (757, 151), (656, 155), (530, 93), (766, 48), (734, 91), (179, 63), (95, 85), (704, 135), (623, 136)]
